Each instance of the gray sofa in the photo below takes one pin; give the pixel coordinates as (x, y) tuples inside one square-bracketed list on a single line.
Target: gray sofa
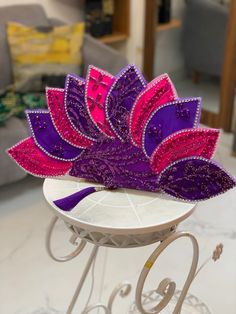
[(94, 53), (204, 33)]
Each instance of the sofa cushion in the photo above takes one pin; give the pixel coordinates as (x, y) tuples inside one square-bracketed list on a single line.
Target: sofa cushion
[(44, 56), (31, 15)]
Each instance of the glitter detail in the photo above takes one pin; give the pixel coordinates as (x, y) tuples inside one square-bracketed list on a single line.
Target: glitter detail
[(167, 116), (158, 92), (98, 83), (34, 161), (120, 99), (76, 108), (168, 134), (116, 164), (195, 179), (47, 137), (55, 101), (185, 143)]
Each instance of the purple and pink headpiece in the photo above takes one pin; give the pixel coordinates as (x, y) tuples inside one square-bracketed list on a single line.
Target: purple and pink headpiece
[(123, 132)]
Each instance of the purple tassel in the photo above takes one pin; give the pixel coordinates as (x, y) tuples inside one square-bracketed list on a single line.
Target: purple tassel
[(69, 202)]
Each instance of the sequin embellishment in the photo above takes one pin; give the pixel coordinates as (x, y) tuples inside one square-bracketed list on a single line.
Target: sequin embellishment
[(168, 117), (34, 161), (98, 83), (158, 92), (186, 143), (47, 137), (195, 179), (76, 108), (121, 98), (55, 101), (116, 164)]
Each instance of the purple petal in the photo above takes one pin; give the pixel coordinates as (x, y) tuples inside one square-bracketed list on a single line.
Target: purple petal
[(76, 108), (121, 97), (168, 119), (46, 137), (195, 179)]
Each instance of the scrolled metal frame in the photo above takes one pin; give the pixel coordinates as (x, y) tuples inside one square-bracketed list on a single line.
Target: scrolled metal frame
[(166, 289), (167, 286), (68, 257)]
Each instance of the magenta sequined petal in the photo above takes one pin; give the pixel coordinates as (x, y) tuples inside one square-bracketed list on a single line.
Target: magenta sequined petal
[(168, 119), (76, 108), (47, 138), (158, 92), (55, 101), (185, 143), (195, 179), (35, 162), (120, 99), (98, 83)]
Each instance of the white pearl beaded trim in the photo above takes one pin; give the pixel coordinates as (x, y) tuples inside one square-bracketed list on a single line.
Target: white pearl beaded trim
[(123, 72), (35, 139), (80, 81), (183, 131), (61, 90), (150, 85), (191, 158), (33, 174), (175, 102), (86, 94)]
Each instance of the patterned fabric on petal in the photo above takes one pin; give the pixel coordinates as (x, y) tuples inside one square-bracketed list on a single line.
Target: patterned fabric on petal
[(116, 164), (121, 98), (55, 101), (35, 162), (98, 83), (47, 138), (76, 108), (195, 179), (168, 119), (158, 92), (185, 143)]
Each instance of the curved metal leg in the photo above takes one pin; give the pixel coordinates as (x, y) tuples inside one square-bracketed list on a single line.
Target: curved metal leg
[(82, 279), (166, 290), (66, 258)]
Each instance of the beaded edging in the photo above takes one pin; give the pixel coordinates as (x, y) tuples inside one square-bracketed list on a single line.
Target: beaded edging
[(86, 96), (190, 158), (35, 140), (175, 102), (120, 74)]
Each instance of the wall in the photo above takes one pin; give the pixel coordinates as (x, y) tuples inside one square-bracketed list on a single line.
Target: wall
[(168, 52)]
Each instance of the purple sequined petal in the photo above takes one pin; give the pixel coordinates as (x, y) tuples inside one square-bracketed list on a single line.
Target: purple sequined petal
[(116, 164), (168, 119), (120, 99), (47, 138), (195, 179), (76, 108)]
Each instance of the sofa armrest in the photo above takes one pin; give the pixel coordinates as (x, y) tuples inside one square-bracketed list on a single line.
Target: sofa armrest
[(204, 34), (102, 56)]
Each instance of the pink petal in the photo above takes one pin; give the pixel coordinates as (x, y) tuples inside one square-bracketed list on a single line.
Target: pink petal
[(34, 161), (158, 92), (185, 143), (55, 100), (98, 83)]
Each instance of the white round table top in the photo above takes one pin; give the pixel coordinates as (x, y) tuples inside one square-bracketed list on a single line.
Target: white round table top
[(120, 211)]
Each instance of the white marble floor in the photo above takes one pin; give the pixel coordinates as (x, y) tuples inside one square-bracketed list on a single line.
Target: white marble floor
[(31, 283)]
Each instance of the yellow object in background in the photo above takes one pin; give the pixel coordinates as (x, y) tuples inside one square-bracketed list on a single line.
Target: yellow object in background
[(35, 53)]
